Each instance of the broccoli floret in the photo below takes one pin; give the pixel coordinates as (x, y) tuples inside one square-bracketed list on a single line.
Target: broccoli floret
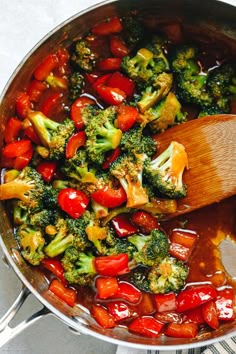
[(50, 197), (134, 32), (76, 85), (151, 249), (155, 90), (143, 66), (128, 169), (82, 55), (157, 48), (53, 135), (42, 218), (164, 114), (77, 227), (79, 267), (102, 135), (78, 168), (184, 60), (165, 172), (169, 275), (133, 140), (20, 214), (139, 278), (61, 241), (32, 242), (28, 187)]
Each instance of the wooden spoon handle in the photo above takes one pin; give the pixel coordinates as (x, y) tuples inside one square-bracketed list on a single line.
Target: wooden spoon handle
[(210, 143)]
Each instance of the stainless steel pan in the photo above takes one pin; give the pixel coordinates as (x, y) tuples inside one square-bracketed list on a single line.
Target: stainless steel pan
[(217, 17)]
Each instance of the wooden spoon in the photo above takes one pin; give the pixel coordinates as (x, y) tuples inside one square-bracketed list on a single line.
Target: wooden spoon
[(210, 143)]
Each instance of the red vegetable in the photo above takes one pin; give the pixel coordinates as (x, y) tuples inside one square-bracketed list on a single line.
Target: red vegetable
[(118, 47), (127, 116), (35, 90), (101, 80), (23, 105), (122, 82), (119, 310), (106, 287), (146, 326), (128, 292), (74, 143), (109, 64), (210, 316), (165, 302), (32, 135), (194, 315), (16, 148), (73, 201), (44, 68), (52, 103), (112, 265), (68, 295), (109, 197), (195, 296), (111, 157), (179, 251), (123, 226), (104, 28), (76, 110), (54, 265), (146, 304), (182, 243), (23, 160), (145, 221), (13, 128), (182, 330), (225, 302), (47, 170), (111, 95), (102, 316)]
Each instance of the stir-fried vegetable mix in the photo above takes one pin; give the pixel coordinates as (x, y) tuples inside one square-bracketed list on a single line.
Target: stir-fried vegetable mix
[(88, 186)]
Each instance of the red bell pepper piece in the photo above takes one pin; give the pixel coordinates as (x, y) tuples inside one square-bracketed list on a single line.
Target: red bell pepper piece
[(195, 296), (102, 316), (32, 135), (73, 201), (109, 64), (123, 226), (179, 251), (112, 265), (47, 169), (165, 302), (185, 238), (104, 28), (106, 287), (209, 312), (7, 163), (146, 304), (127, 116), (77, 108), (194, 315), (101, 80), (111, 95), (122, 82), (146, 326), (74, 143), (23, 105), (169, 317), (145, 221), (13, 128), (225, 302), (118, 47), (128, 292), (51, 103), (35, 90), (119, 310), (182, 330), (68, 295), (174, 32), (16, 148), (111, 157), (63, 57), (23, 160), (45, 67), (54, 265), (109, 197)]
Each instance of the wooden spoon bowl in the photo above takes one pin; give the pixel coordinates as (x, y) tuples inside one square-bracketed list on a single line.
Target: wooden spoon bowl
[(210, 143)]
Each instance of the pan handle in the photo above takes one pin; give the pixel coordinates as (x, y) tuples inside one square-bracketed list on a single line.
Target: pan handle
[(6, 332)]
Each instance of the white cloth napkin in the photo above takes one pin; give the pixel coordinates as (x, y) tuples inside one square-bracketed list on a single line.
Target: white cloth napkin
[(225, 347)]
